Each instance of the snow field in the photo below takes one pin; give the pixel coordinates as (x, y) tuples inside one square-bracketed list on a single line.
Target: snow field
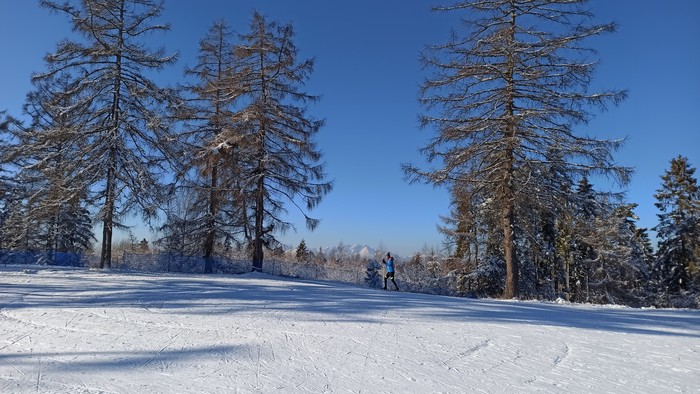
[(81, 331)]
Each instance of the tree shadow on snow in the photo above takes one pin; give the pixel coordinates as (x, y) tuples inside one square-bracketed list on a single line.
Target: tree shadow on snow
[(117, 360), (323, 301)]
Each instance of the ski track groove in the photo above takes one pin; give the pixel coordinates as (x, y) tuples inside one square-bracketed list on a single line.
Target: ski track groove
[(559, 359)]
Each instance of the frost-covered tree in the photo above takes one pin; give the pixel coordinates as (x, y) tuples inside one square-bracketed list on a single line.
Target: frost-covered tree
[(73, 227), (143, 246), (6, 183), (678, 230), (125, 138), (16, 232), (588, 208), (373, 276), (614, 271), (506, 92), (284, 163), (302, 253), (181, 231), (641, 252), (644, 247), (45, 155), (461, 226)]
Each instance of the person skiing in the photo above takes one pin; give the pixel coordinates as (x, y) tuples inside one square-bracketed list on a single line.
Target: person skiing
[(389, 263)]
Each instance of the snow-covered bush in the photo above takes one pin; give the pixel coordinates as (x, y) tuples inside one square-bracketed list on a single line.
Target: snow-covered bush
[(374, 277), (170, 262), (42, 258), (346, 271), (487, 280), (667, 299)]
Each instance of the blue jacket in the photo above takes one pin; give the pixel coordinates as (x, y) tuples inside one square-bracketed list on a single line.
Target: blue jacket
[(389, 264)]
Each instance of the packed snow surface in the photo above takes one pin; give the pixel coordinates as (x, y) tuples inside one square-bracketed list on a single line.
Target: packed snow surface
[(83, 331)]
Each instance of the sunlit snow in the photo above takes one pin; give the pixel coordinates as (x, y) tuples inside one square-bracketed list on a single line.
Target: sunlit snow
[(83, 331)]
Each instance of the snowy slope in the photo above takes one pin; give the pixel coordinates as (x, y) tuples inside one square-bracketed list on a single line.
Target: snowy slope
[(73, 331)]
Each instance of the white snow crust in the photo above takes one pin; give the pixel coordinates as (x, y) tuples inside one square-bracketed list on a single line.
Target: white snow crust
[(87, 331)]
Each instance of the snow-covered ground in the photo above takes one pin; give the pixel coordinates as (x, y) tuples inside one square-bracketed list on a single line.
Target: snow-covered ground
[(80, 331)]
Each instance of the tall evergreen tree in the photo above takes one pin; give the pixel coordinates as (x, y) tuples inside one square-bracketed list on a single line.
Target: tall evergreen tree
[(181, 231), (641, 251), (45, 154), (644, 247), (461, 226), (284, 162), (506, 94), (17, 231), (678, 230), (125, 138), (601, 244), (73, 229), (302, 253), (613, 271)]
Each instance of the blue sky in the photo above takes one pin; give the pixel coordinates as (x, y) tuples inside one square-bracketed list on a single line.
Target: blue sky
[(367, 74)]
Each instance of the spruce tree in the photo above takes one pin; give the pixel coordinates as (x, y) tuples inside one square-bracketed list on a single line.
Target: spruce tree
[(73, 232), (45, 154), (461, 226), (614, 272), (302, 253), (678, 230), (641, 252), (16, 229), (180, 234), (644, 247), (503, 95)]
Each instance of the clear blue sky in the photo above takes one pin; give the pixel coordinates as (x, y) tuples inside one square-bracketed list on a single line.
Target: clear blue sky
[(367, 74)]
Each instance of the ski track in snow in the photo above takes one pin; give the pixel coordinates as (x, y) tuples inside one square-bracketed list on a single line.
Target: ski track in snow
[(82, 331)]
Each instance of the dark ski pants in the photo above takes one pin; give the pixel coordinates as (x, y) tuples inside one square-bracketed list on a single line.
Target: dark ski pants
[(390, 275)]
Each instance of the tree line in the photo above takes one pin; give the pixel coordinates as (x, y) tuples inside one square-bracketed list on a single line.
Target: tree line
[(224, 153), (505, 96), (222, 156)]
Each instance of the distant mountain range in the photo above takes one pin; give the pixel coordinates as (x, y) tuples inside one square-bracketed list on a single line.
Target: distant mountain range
[(364, 251), (350, 250)]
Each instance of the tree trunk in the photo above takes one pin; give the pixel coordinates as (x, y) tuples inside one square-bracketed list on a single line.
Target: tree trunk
[(258, 240), (106, 256), (210, 237), (107, 226), (475, 240), (52, 238), (508, 218), (211, 223), (511, 289), (260, 193), (567, 283)]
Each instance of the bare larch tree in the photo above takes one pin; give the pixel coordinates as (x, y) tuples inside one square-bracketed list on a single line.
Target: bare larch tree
[(213, 143), (126, 138), (503, 93), (283, 162)]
